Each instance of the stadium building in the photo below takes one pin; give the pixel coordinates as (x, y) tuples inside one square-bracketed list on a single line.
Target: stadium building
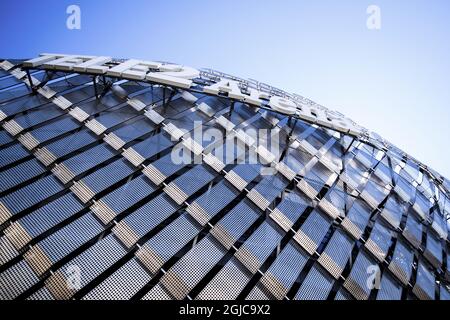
[(131, 179)]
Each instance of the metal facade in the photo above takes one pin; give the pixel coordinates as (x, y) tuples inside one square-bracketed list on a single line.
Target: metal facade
[(92, 206)]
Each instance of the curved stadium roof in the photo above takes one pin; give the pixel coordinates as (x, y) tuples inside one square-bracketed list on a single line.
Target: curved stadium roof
[(107, 192)]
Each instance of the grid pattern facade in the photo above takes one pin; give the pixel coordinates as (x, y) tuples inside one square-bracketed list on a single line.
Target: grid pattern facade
[(93, 207)]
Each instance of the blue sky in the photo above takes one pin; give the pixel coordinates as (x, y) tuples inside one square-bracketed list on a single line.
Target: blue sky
[(394, 81)]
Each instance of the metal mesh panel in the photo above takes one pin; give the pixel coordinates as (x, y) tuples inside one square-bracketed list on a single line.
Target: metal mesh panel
[(433, 250), (88, 159), (55, 129), (266, 191), (405, 190), (108, 175), (152, 145), (357, 281), (189, 183), (22, 104), (20, 174), (258, 247), (373, 194), (141, 222), (379, 241), (44, 218), (61, 243), (134, 130), (105, 253), (192, 267), (425, 283), (402, 262), (284, 271), (12, 154), (31, 194), (122, 198), (232, 278), (157, 293), (413, 231), (231, 227), (16, 280), (393, 211), (313, 231), (316, 286), (212, 201), (5, 138), (336, 254), (7, 250), (38, 116), (289, 211), (357, 219), (71, 143), (122, 284), (160, 248), (389, 289)]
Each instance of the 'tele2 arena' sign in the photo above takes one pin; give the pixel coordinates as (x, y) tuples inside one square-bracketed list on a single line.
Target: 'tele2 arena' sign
[(183, 77)]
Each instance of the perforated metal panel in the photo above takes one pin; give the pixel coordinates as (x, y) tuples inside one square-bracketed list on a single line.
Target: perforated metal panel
[(19, 174), (232, 278), (404, 190), (192, 267), (147, 148), (105, 253), (283, 272), (310, 235), (422, 206), (336, 254), (333, 203), (424, 287), (433, 250), (356, 220), (160, 248), (289, 211), (44, 218), (393, 211), (55, 129), (103, 178), (16, 280), (207, 205), (266, 191), (12, 154), (231, 227), (402, 262), (255, 250), (68, 144), (122, 198), (122, 284), (389, 289), (82, 162), (379, 241), (413, 231), (29, 195), (357, 281), (316, 286), (189, 183), (7, 250), (45, 253), (157, 293), (374, 194), (140, 222)]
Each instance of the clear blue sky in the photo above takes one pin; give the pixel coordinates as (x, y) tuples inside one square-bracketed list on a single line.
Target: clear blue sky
[(394, 81)]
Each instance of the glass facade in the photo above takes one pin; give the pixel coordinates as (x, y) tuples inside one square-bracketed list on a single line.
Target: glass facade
[(107, 192)]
